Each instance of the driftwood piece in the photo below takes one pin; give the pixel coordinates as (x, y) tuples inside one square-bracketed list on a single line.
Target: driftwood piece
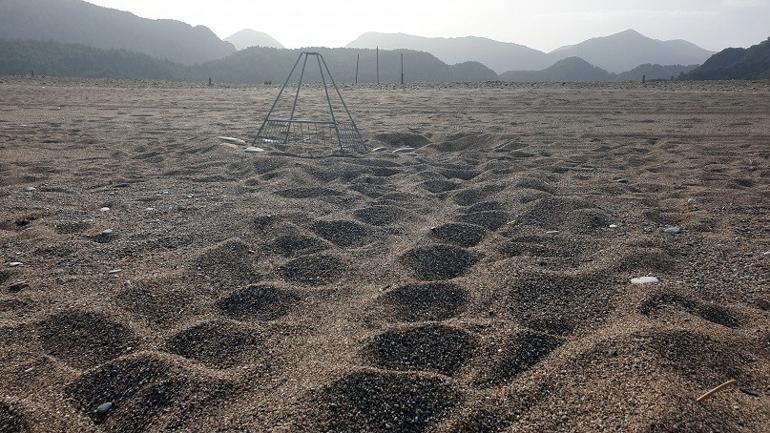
[(717, 389)]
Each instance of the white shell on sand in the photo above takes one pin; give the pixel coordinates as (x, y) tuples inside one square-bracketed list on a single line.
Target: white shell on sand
[(104, 209), (404, 150), (14, 264), (252, 149), (645, 280), (232, 140)]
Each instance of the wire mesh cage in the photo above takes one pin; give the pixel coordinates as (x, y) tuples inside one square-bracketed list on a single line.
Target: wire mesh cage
[(338, 129)]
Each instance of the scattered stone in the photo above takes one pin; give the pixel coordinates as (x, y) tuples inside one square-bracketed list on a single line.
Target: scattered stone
[(15, 264), (645, 280), (232, 140), (671, 230), (693, 203), (30, 188), (622, 180), (17, 286), (149, 209), (104, 209), (404, 150), (252, 149), (103, 410)]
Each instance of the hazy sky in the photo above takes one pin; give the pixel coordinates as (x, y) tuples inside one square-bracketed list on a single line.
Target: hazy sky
[(545, 24)]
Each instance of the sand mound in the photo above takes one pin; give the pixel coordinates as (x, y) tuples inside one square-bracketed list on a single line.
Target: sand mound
[(383, 402), (426, 302), (228, 264), (536, 184), (542, 246), (314, 270), (559, 299), (463, 235), (434, 348), (218, 344), (154, 302), (310, 192), (438, 186), (522, 352), (343, 233), (144, 391), (490, 220), (485, 206), (698, 357), (294, 244), (469, 197), (712, 313), (403, 139), (259, 303), (552, 212), (12, 419), (84, 339), (439, 262), (459, 173), (380, 215)]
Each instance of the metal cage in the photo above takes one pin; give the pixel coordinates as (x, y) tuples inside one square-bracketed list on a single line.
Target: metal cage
[(344, 133)]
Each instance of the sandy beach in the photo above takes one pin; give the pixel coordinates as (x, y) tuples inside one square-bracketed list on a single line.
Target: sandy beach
[(154, 279)]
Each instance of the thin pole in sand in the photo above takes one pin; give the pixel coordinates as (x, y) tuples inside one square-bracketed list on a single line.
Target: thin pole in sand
[(358, 60), (378, 65), (285, 83), (296, 97), (326, 89)]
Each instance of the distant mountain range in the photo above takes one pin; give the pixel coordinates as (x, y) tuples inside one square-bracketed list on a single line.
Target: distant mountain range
[(736, 64), (615, 53), (575, 69), (500, 56), (250, 66), (76, 38), (78, 22), (248, 38)]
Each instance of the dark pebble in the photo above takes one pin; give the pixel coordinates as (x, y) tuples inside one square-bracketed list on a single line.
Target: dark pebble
[(17, 286)]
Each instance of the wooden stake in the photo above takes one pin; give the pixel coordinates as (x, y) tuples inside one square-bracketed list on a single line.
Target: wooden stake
[(717, 389)]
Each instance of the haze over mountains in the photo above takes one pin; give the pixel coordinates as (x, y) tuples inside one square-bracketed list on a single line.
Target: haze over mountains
[(78, 22), (73, 37), (615, 53), (575, 69), (248, 38)]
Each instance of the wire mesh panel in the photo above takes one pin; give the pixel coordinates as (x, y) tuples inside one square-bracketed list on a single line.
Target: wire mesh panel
[(295, 131)]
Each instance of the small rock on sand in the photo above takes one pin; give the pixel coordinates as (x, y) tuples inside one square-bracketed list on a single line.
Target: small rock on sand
[(232, 140), (614, 226), (645, 280), (15, 264), (671, 230), (17, 286), (30, 188), (104, 209)]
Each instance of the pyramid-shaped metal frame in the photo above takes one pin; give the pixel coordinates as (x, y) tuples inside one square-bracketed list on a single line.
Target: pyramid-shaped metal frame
[(304, 131)]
